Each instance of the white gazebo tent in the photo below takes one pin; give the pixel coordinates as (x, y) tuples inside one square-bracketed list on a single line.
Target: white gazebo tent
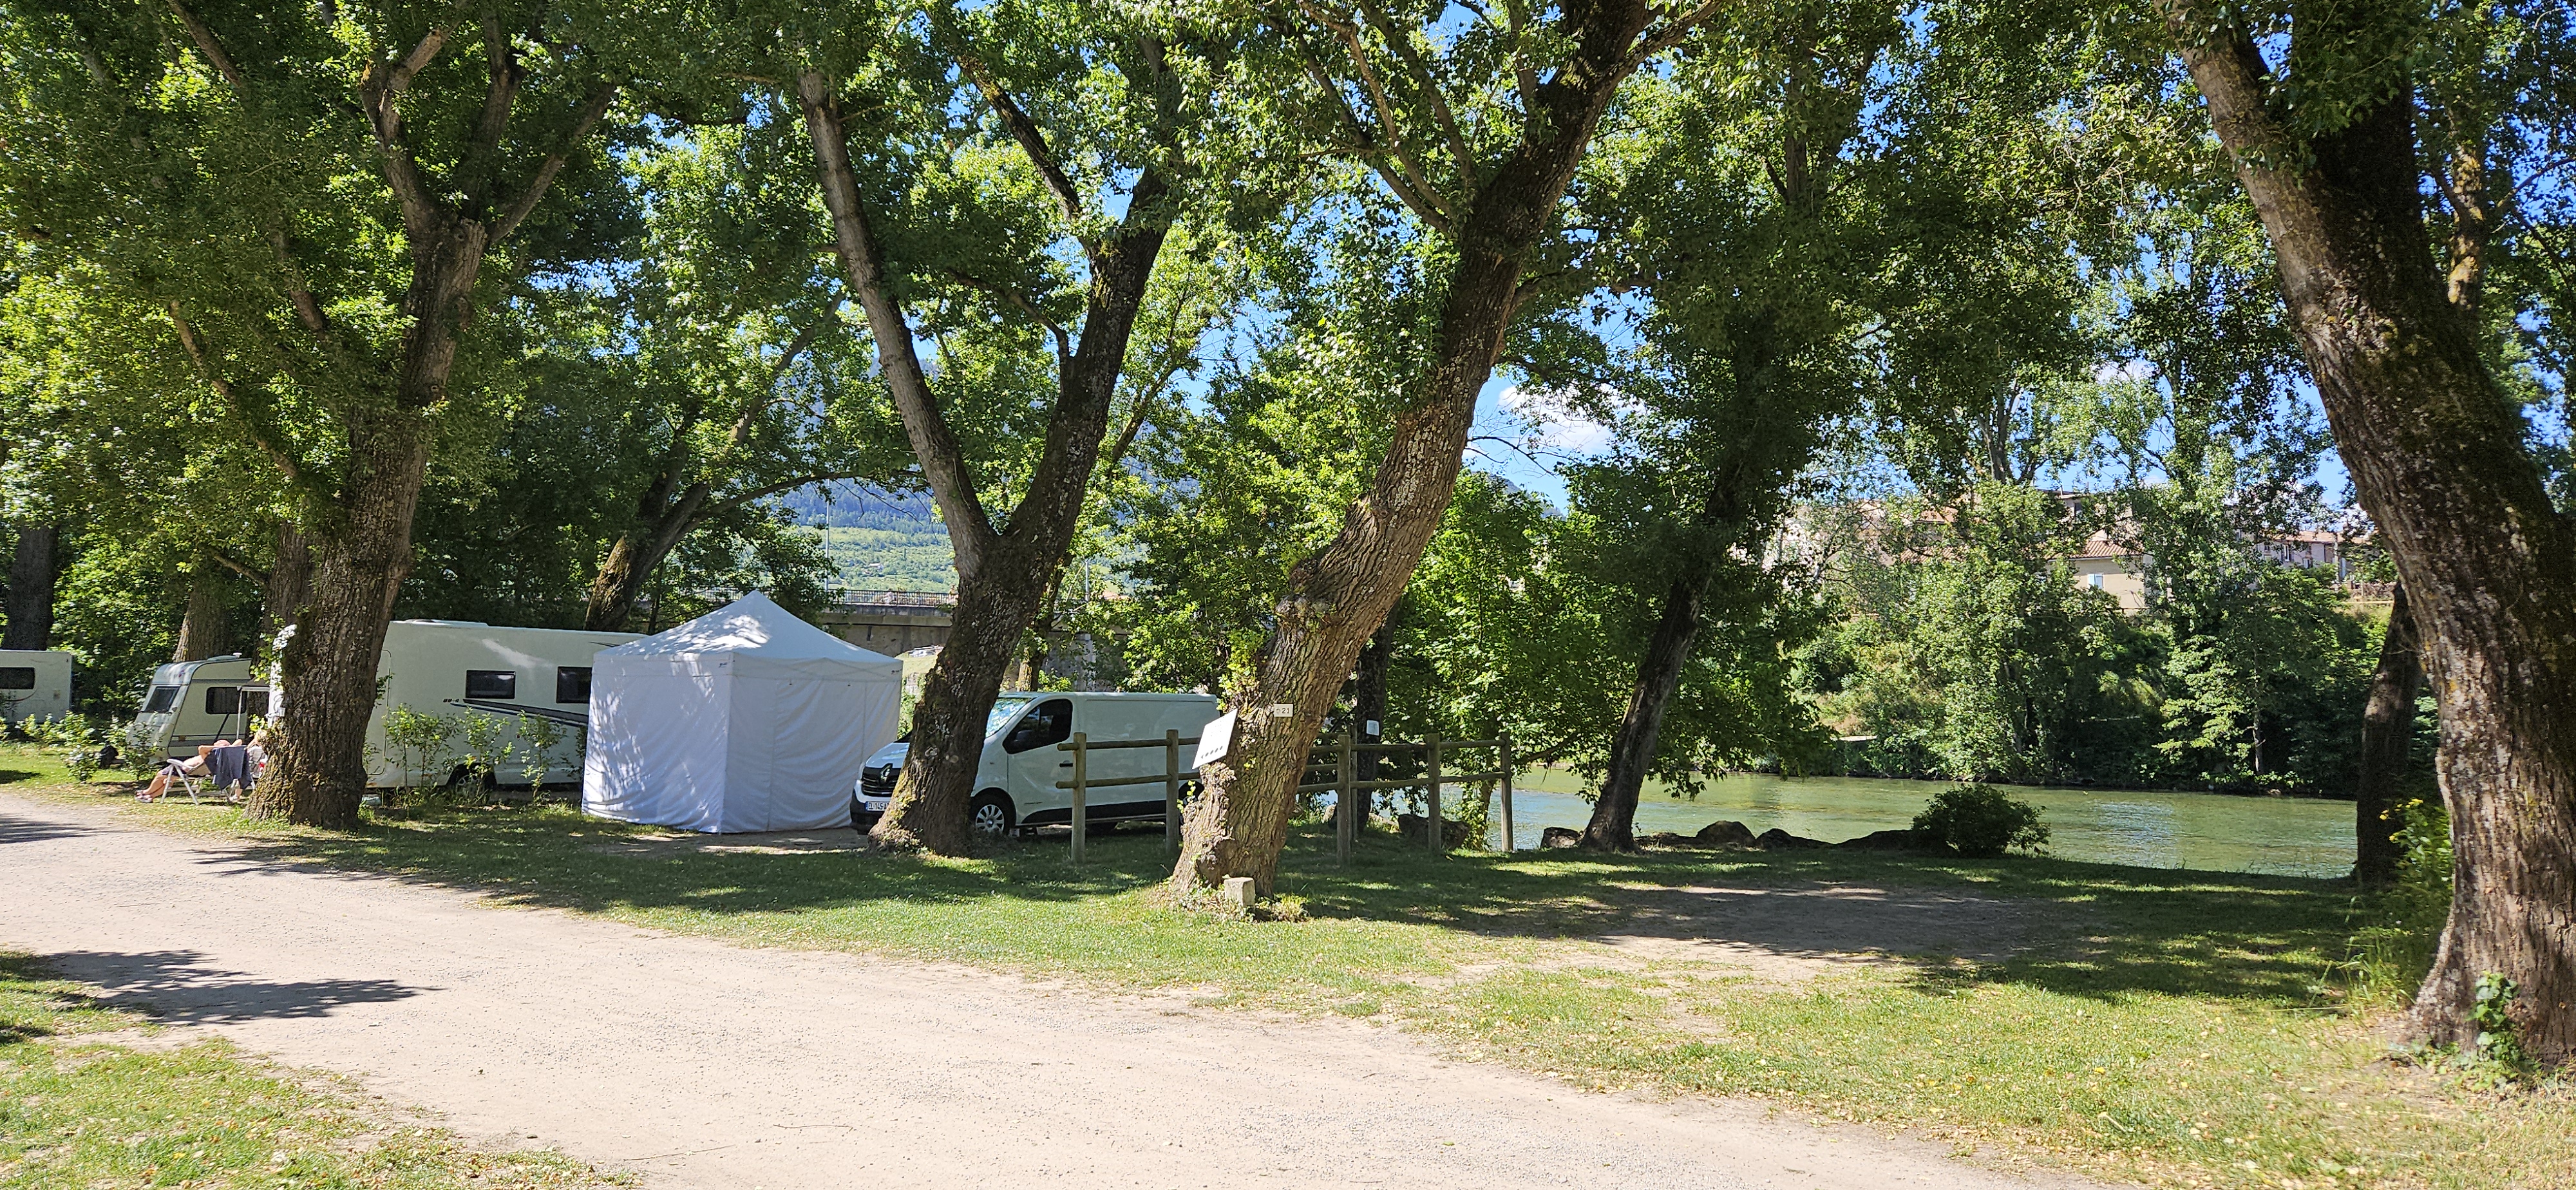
[(744, 719)]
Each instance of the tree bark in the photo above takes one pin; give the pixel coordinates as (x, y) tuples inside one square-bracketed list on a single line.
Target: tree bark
[(1632, 751), (2387, 733), (1338, 596), (630, 562), (287, 585), (204, 628), (33, 570), (1002, 575), (2436, 453)]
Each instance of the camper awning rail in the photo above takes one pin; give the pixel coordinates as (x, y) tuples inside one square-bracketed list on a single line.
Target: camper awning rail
[(579, 718)]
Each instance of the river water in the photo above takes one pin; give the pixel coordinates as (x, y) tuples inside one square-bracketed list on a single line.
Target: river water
[(2207, 831)]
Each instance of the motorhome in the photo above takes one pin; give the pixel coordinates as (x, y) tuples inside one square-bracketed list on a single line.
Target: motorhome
[(35, 684), (461, 668), (1015, 783), (194, 703)]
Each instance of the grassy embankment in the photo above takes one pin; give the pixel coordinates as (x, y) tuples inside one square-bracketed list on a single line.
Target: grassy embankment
[(82, 1105), (2170, 1028)]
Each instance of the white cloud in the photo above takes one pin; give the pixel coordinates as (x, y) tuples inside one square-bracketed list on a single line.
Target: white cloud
[(2127, 371), (1552, 426)]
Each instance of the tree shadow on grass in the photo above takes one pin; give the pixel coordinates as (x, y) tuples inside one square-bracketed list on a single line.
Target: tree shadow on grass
[(2086, 929)]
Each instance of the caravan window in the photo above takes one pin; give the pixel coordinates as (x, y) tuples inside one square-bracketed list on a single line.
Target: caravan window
[(163, 700), (223, 700), (572, 684), (491, 683), (17, 677), (1051, 723)]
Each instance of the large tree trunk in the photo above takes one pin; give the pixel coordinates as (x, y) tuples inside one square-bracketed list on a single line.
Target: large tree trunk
[(620, 582), (205, 628), (317, 767), (2436, 454), (1002, 575), (286, 587), (2387, 731), (1632, 751), (361, 549), (32, 574), (1337, 597)]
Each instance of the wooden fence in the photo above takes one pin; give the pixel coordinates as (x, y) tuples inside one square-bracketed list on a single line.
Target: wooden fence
[(1344, 784)]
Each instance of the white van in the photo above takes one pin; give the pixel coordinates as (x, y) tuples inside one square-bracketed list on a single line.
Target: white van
[(459, 668), (1015, 783), (194, 703), (35, 684)]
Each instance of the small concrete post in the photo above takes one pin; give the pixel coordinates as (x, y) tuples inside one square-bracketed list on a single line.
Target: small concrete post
[(1506, 747), (1081, 772), (1238, 892), (1439, 837), (1171, 792)]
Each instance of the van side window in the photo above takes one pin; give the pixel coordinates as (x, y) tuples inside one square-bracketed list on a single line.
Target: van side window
[(491, 683), (572, 684), (1051, 723), (223, 700), (164, 699), (17, 677)]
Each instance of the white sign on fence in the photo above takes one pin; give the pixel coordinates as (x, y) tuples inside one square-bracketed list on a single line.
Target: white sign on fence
[(1214, 739)]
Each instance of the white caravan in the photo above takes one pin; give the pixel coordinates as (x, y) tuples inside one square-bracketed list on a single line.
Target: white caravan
[(1015, 783), (35, 684), (460, 668), (194, 703)]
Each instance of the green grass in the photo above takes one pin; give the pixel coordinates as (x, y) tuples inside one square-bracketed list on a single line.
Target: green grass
[(79, 1109), (2170, 1028)]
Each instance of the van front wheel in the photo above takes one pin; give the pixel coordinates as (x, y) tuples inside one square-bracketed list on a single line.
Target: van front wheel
[(990, 814)]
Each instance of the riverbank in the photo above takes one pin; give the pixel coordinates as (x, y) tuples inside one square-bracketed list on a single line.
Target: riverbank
[(2150, 1026), (2213, 832)]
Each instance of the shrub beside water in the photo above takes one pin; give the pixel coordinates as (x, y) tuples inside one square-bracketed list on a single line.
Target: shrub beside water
[(1981, 820)]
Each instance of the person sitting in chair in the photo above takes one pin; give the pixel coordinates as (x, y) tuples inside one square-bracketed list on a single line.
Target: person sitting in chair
[(172, 769)]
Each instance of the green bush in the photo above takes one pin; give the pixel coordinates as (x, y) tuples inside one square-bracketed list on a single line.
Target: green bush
[(1980, 820)]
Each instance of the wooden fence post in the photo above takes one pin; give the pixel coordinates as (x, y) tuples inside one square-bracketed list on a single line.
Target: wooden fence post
[(1346, 805), (1439, 837), (1505, 744), (1081, 772), (1171, 792)]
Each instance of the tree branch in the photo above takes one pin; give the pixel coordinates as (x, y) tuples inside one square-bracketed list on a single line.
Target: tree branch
[(251, 428), (1021, 302), (1421, 72), (1424, 207), (207, 44), (1656, 41), (1350, 36), (593, 110), (1025, 131), (934, 443), (476, 166)]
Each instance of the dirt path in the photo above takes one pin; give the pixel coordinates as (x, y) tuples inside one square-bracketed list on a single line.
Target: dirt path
[(695, 1063)]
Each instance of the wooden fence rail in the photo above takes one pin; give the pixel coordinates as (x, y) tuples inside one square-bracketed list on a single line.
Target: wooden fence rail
[(1344, 784)]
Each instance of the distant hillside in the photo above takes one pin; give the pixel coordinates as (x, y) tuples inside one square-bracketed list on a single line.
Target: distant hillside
[(882, 541)]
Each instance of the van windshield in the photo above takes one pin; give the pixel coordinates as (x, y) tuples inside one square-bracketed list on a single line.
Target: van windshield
[(162, 700), (1004, 711)]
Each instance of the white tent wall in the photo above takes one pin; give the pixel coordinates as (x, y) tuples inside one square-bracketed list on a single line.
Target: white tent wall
[(744, 719), (656, 755)]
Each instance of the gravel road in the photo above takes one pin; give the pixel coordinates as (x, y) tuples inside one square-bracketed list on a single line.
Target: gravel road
[(693, 1063)]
